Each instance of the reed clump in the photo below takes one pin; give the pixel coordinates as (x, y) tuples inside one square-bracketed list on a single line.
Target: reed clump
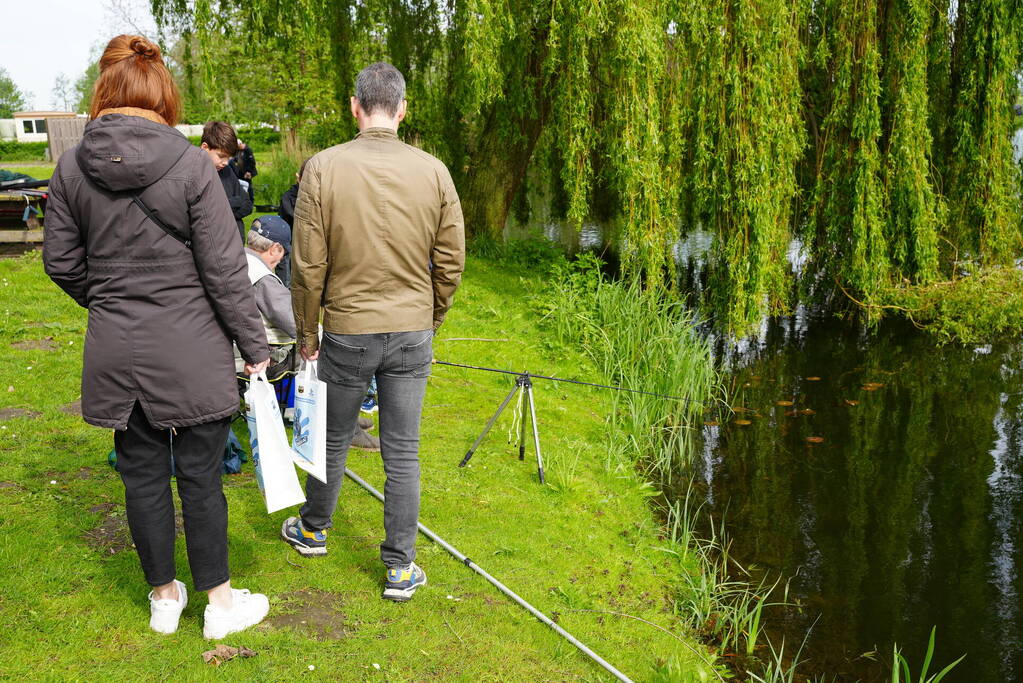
[(640, 340)]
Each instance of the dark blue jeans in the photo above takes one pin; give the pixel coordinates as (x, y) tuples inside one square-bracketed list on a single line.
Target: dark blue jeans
[(401, 363)]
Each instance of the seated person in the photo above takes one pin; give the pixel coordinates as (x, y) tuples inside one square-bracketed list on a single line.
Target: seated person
[(269, 241)]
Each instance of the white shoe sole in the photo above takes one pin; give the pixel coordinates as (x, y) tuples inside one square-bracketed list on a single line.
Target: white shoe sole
[(402, 594), (222, 631), (302, 549), (166, 623)]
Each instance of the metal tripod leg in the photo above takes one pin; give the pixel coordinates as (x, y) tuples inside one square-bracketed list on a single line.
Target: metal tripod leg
[(536, 434), (522, 428), (486, 430)]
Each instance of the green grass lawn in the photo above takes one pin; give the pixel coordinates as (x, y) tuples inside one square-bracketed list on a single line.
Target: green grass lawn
[(73, 601), (38, 171)]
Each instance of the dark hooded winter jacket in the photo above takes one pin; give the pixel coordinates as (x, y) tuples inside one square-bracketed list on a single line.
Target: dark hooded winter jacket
[(161, 316)]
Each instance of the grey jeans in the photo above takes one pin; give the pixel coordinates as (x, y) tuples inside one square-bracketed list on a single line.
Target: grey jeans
[(401, 363)]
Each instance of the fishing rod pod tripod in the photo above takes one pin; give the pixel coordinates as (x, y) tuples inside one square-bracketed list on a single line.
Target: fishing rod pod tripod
[(523, 383)]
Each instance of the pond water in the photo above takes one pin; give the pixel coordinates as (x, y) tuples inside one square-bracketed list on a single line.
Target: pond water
[(880, 474), (884, 476)]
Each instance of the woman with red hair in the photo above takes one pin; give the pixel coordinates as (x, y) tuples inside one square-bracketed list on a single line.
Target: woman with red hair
[(139, 232)]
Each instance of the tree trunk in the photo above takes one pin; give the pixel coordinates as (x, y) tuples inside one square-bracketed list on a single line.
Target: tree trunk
[(494, 176), (497, 161)]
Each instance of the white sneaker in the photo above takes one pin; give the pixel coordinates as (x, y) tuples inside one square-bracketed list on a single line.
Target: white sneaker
[(164, 614), (248, 610)]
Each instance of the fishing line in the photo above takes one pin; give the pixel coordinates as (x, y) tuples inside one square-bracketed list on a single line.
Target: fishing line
[(500, 586), (570, 381)]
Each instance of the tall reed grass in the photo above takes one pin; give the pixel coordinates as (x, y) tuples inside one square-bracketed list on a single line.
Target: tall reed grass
[(278, 175), (640, 340)]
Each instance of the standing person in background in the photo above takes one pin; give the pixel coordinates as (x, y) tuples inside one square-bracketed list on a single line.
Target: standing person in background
[(243, 161), (287, 212), (379, 244), (290, 196), (158, 365), (220, 142)]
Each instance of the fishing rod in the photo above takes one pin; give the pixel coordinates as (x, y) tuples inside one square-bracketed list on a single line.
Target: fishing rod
[(524, 383), (497, 584), (562, 379)]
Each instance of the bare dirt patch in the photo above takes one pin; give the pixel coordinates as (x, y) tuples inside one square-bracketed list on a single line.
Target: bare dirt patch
[(46, 344), (313, 613), (111, 535), (8, 485), (11, 413), (73, 408)]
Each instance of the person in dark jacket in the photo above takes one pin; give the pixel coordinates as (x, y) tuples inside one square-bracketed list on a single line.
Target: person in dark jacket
[(243, 161), (219, 142), (158, 365), (290, 196)]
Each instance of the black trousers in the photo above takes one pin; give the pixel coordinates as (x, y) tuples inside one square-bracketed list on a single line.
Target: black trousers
[(144, 463)]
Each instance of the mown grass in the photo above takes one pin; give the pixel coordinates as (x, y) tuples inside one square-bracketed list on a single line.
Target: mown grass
[(584, 549)]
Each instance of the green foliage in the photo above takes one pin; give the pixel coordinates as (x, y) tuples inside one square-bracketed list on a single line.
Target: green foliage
[(259, 136), (641, 340), (277, 176), (84, 86), (12, 99), (12, 150), (985, 218), (900, 667), (976, 308), (740, 101), (535, 254), (878, 134)]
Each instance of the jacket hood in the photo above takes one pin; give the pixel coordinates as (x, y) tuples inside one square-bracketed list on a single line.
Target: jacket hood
[(121, 152)]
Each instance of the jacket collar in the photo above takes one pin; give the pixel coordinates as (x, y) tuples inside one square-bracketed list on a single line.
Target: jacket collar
[(134, 111), (378, 134)]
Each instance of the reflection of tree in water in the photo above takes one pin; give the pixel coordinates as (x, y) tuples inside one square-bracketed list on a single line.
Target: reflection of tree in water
[(905, 516)]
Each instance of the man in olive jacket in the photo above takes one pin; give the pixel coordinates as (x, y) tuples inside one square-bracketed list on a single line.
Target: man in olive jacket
[(379, 244)]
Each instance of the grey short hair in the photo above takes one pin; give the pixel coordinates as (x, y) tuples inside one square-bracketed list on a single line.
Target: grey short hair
[(257, 242), (380, 87)]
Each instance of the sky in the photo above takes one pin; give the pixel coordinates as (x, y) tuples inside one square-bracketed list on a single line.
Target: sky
[(61, 41)]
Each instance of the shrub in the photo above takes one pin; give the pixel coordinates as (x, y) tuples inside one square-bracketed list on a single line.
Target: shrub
[(12, 150), (278, 175), (978, 308), (259, 137)]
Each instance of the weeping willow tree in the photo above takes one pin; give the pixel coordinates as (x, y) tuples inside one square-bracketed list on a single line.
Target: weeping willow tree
[(876, 132), (846, 232), (984, 181), (914, 209), (738, 76)]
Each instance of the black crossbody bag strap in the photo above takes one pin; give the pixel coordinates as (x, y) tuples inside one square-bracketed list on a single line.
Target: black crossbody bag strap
[(151, 215)]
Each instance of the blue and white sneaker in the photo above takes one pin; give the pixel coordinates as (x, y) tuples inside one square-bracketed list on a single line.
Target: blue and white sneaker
[(308, 543), (402, 582), (369, 404)]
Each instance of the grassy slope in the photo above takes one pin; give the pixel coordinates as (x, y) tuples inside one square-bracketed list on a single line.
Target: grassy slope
[(588, 541)]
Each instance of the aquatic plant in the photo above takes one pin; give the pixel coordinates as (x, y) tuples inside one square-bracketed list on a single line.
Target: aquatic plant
[(901, 671)]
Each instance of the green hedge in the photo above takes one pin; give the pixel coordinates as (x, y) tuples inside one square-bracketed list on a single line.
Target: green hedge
[(12, 150), (259, 136)]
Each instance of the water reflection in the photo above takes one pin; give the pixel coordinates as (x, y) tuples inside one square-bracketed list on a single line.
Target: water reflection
[(907, 514)]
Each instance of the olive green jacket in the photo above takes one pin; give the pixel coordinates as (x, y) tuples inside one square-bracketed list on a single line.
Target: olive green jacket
[(378, 239)]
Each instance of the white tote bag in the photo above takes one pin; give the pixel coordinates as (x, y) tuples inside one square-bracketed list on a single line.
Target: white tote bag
[(309, 444), (275, 472)]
